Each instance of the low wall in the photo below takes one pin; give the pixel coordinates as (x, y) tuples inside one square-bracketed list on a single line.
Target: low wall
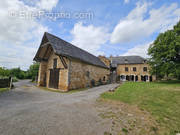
[(7, 82)]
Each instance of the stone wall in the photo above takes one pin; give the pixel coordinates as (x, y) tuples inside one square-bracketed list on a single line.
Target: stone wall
[(44, 70), (41, 73), (105, 60), (139, 70), (6, 82), (77, 74), (63, 75), (83, 75)]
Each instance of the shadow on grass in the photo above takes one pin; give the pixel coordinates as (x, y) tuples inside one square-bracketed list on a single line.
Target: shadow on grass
[(169, 82)]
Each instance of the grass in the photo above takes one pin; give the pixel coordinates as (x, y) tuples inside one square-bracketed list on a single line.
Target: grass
[(161, 99), (58, 91), (3, 89)]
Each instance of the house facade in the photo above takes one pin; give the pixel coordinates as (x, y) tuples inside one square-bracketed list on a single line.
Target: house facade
[(64, 66), (130, 68)]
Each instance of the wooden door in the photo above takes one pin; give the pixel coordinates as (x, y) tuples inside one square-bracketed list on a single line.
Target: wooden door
[(54, 78)]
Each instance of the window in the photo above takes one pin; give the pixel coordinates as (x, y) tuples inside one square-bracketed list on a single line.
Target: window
[(55, 63), (87, 74), (145, 69), (134, 69), (126, 69), (126, 61), (104, 78)]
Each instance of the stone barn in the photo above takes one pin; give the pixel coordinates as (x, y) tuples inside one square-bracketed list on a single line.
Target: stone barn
[(64, 66)]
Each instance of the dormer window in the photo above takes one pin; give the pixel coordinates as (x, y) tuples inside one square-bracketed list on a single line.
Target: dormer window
[(126, 61)]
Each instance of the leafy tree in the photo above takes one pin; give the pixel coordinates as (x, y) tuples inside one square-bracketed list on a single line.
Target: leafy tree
[(17, 72), (4, 72), (165, 54), (32, 72)]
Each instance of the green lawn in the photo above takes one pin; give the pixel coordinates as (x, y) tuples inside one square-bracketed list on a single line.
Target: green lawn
[(3, 89), (161, 99)]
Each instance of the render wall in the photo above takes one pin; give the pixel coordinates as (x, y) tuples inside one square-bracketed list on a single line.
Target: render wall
[(81, 74)]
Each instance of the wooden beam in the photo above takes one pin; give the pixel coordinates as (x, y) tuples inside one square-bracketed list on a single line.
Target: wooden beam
[(45, 44), (63, 62)]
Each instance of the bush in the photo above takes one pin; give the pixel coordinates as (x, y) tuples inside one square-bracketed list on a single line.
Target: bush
[(14, 79)]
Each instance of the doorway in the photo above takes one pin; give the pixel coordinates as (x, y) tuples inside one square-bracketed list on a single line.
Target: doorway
[(54, 78)]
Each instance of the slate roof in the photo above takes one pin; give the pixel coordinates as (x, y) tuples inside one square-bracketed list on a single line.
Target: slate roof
[(127, 60), (61, 47)]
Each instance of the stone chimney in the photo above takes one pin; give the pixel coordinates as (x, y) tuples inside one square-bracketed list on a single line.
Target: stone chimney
[(105, 60)]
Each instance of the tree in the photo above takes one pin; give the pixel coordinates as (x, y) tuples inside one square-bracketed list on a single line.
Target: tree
[(17, 72), (165, 54), (32, 72), (4, 72)]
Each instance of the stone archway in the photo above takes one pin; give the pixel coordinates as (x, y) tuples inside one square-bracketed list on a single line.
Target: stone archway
[(146, 78), (123, 77), (150, 78), (142, 78), (132, 77), (136, 78), (127, 77)]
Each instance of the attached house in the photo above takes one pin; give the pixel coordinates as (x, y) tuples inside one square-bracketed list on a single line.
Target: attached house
[(64, 66), (130, 68)]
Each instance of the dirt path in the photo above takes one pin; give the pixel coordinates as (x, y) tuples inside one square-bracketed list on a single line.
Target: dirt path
[(27, 110), (126, 119)]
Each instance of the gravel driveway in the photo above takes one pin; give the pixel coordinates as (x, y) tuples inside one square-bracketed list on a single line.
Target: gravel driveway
[(28, 110)]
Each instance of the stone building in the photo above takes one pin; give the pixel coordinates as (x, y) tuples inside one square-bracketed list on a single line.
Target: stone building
[(64, 66), (130, 68)]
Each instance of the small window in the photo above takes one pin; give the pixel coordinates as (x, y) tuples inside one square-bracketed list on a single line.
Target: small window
[(125, 61), (87, 74), (126, 69), (134, 69), (145, 69), (55, 63), (104, 78)]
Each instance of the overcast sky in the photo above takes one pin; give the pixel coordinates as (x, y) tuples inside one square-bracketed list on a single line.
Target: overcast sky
[(102, 27)]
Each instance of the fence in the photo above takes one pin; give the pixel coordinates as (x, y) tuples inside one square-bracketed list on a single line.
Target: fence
[(6, 82)]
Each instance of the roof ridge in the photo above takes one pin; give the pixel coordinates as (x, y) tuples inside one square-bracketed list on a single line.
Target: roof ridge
[(86, 56), (71, 44)]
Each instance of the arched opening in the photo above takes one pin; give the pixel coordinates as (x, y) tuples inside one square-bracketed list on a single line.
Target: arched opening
[(142, 78), (118, 78), (146, 78), (104, 78), (127, 77), (150, 78), (123, 78), (136, 78), (132, 77)]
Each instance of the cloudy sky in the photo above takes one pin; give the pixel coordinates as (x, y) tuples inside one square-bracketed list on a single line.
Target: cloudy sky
[(103, 27)]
